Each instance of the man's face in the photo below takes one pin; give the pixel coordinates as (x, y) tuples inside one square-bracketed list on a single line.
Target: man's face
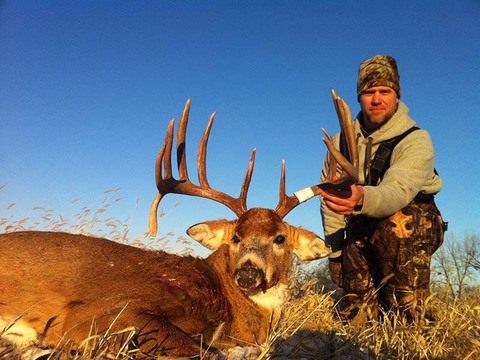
[(378, 104)]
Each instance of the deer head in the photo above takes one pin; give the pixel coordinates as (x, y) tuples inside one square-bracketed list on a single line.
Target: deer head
[(258, 241), (259, 245)]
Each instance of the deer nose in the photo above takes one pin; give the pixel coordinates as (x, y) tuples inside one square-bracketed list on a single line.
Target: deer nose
[(249, 277)]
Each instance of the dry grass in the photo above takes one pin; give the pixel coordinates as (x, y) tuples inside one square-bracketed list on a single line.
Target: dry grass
[(309, 328), (93, 221), (454, 335)]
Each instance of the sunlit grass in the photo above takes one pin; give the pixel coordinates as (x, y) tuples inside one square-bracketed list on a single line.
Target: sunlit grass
[(309, 328), (93, 221)]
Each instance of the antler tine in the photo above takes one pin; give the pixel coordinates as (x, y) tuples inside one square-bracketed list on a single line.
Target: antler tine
[(283, 188), (202, 153), (181, 144), (332, 171), (152, 216), (335, 157), (285, 203), (160, 179), (346, 124), (161, 159), (166, 183), (246, 182), (288, 203)]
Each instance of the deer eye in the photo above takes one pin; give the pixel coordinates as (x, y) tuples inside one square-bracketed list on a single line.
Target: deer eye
[(235, 239), (280, 239)]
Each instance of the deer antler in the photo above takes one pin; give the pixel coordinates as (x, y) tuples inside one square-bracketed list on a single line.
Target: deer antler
[(166, 183), (349, 174)]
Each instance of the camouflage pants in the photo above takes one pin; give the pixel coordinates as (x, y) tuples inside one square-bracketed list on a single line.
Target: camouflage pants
[(386, 262)]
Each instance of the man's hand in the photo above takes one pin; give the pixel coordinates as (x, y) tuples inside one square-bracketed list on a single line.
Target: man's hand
[(343, 201)]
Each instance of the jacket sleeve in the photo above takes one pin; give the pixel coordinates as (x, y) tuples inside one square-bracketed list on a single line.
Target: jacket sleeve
[(333, 223), (411, 170)]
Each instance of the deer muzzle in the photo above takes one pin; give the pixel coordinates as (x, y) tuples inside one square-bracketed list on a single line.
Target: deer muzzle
[(249, 278)]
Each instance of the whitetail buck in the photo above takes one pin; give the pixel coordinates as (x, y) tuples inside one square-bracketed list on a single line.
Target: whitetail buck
[(56, 287)]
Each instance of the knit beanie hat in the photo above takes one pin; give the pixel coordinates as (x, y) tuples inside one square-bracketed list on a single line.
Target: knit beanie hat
[(380, 70)]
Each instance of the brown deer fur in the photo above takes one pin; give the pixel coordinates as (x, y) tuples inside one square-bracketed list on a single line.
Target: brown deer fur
[(66, 286)]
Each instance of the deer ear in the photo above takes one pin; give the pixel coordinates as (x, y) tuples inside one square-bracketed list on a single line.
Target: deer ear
[(212, 234), (308, 245)]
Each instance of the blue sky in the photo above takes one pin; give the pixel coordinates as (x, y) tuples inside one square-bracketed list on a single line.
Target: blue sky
[(87, 89)]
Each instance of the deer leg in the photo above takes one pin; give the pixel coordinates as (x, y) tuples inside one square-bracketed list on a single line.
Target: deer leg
[(160, 337), (157, 336)]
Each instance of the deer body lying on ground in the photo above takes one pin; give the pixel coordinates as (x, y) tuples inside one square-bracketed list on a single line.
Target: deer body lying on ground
[(58, 287), (70, 286)]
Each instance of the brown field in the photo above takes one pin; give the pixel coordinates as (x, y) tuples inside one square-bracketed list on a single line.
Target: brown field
[(309, 328)]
